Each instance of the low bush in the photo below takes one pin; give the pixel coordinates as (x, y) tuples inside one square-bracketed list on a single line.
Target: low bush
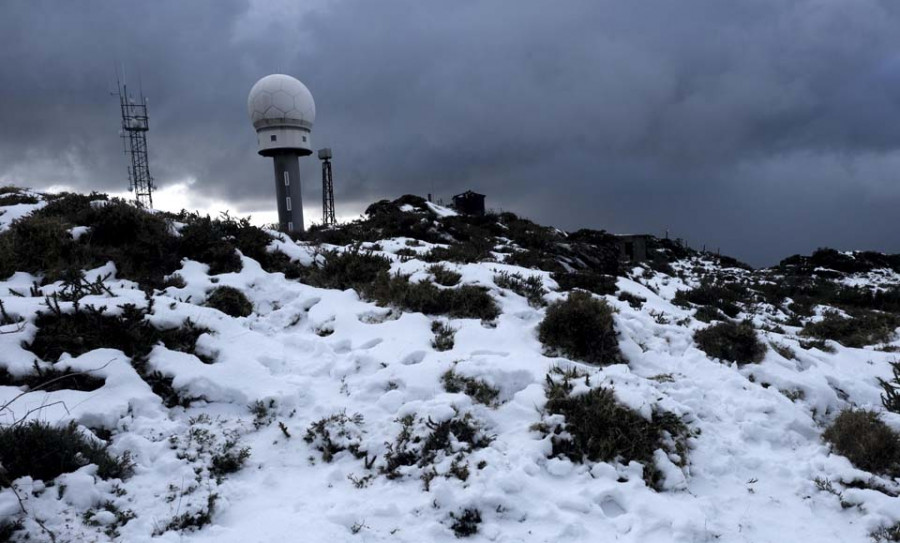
[(443, 336), (581, 327), (352, 268), (443, 276), (44, 451), (730, 341), (531, 288), (866, 441), (52, 379), (230, 301), (336, 433), (39, 245), (708, 313), (597, 428), (477, 389), (475, 250), (633, 300), (860, 329), (465, 302), (598, 283), (725, 296), (465, 524), (16, 198)]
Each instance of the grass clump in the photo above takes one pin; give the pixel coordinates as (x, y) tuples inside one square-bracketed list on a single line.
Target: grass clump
[(531, 288), (464, 302), (44, 451), (477, 389), (595, 427), (860, 329), (581, 327), (443, 336), (230, 301), (444, 276), (734, 342), (866, 441)]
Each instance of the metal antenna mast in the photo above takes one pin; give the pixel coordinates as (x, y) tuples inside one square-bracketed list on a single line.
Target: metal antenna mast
[(135, 124), (327, 188)]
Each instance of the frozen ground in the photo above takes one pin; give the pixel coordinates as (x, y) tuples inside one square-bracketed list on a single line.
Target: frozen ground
[(308, 353)]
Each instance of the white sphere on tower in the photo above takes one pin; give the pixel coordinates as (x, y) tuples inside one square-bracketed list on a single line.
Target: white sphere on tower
[(282, 111)]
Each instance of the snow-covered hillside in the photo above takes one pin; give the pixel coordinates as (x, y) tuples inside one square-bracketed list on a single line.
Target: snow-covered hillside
[(322, 416)]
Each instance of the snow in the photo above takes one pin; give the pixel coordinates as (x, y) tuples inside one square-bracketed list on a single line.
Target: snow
[(753, 461)]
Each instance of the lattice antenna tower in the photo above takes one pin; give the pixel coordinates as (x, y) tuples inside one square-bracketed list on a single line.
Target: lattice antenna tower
[(327, 188), (135, 125)]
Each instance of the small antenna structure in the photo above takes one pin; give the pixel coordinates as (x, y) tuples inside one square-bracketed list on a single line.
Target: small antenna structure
[(327, 188), (135, 125)]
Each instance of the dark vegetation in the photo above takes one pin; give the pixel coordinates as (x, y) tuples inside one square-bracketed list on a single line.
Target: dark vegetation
[(50, 379), (443, 336), (531, 288), (866, 441), (443, 276), (477, 389), (336, 433), (44, 451), (732, 342), (633, 300), (598, 428), (88, 328), (230, 301), (581, 327), (723, 296), (466, 523), (891, 396), (861, 328), (464, 301)]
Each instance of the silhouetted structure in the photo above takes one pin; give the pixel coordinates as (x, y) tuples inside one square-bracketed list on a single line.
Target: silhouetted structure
[(327, 188), (633, 248), (135, 125), (469, 203)]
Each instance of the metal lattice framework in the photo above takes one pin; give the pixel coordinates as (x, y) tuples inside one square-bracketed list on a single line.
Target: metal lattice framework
[(328, 218), (135, 124)]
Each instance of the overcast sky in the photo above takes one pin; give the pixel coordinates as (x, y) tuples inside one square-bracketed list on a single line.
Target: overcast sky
[(761, 127)]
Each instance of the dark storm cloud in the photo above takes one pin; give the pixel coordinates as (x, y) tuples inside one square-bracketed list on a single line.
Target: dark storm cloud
[(761, 127)]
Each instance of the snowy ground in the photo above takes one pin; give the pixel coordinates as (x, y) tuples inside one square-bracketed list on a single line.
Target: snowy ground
[(752, 468)]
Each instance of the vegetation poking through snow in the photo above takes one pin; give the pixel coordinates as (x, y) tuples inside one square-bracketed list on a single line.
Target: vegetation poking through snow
[(633, 300), (591, 425), (581, 327), (531, 287), (462, 302), (858, 330), (336, 433), (477, 389), (230, 301), (731, 342), (890, 398), (443, 336), (866, 441), (44, 451), (443, 275), (465, 524)]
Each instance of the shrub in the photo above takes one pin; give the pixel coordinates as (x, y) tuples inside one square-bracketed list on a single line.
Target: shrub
[(598, 428), (230, 301), (735, 342), (466, 523), (43, 451), (708, 313), (443, 336), (633, 300), (861, 329), (531, 288), (581, 327), (11, 199), (336, 433), (887, 533), (475, 250), (205, 240), (866, 441), (477, 389), (597, 283), (444, 276), (39, 245), (52, 379), (724, 296), (891, 396), (348, 269), (466, 301)]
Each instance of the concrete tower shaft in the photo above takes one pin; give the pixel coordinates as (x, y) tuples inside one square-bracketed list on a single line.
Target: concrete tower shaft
[(287, 191)]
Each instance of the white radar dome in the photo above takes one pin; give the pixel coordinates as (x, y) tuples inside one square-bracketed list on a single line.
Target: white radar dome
[(282, 111)]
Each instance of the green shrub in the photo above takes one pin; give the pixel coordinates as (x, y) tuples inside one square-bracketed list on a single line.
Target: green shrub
[(633, 300), (230, 301), (443, 336), (466, 523), (40, 245), (590, 281), (866, 441), (444, 276), (531, 288), (52, 379), (347, 269), (476, 250), (891, 396), (725, 296), (708, 313), (734, 342), (205, 240), (887, 533), (581, 327), (336, 433), (861, 329), (466, 301), (598, 428), (11, 199), (43, 451), (477, 389)]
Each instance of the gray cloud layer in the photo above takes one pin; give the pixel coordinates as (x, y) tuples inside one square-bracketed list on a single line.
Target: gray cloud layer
[(763, 127)]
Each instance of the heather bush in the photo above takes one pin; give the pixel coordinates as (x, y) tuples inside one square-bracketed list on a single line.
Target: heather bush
[(443, 276), (730, 341), (531, 287), (866, 441), (230, 301), (581, 327), (477, 389), (466, 301), (860, 329)]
